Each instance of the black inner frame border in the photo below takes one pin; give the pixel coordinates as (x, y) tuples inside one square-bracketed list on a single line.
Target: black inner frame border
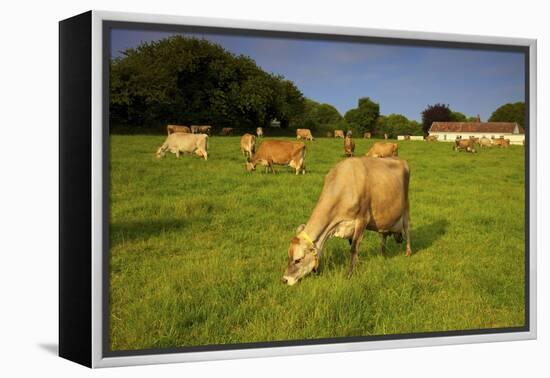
[(108, 25)]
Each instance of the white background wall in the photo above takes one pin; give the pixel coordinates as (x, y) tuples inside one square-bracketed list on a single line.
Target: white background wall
[(28, 200)]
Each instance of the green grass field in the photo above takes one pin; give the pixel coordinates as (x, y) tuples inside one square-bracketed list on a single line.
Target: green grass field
[(198, 248)]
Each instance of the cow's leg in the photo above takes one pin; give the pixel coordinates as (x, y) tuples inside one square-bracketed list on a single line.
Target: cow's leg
[(407, 231), (356, 240), (383, 237), (177, 154), (271, 166)]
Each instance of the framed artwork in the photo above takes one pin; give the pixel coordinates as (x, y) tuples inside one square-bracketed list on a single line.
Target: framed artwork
[(232, 189)]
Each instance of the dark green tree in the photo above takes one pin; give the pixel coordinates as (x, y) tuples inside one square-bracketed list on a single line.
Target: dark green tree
[(192, 81), (510, 113), (363, 118), (396, 124), (435, 113)]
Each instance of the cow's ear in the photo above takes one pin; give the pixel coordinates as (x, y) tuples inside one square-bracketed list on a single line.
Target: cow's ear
[(300, 228)]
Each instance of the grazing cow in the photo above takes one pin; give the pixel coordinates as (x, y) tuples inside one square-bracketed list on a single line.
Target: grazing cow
[(279, 152), (226, 131), (201, 129), (339, 134), (407, 137), (367, 135), (349, 145), (382, 150), (485, 142), (248, 145), (259, 132), (304, 134), (431, 138), (467, 145), (501, 142), (180, 142), (171, 129), (359, 194)]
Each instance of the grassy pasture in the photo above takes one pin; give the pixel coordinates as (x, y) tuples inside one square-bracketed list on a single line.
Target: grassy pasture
[(198, 248)]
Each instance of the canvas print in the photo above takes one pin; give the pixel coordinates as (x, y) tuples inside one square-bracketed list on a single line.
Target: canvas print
[(275, 189)]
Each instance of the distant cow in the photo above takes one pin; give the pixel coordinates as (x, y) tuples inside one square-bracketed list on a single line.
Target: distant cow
[(177, 129), (407, 137), (248, 145), (485, 142), (204, 129), (349, 145), (304, 134), (467, 145), (259, 132), (501, 142), (367, 135), (358, 194), (382, 150), (279, 152), (226, 131), (339, 134), (180, 142), (431, 138)]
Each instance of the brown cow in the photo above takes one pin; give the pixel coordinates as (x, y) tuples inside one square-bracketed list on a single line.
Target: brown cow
[(259, 132), (485, 142), (202, 129), (304, 134), (182, 142), (177, 129), (339, 134), (279, 152), (431, 138), (349, 145), (383, 149), (226, 131), (467, 145), (359, 194), (248, 145), (501, 142)]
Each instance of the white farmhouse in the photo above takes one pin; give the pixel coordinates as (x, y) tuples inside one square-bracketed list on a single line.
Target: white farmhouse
[(450, 131)]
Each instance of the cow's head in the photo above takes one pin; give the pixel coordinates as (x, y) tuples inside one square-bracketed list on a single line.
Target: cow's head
[(303, 257), (250, 166), (160, 153)]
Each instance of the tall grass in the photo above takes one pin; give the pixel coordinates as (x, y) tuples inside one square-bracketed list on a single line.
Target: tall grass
[(198, 248)]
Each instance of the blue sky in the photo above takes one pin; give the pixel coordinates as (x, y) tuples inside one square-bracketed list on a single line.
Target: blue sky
[(402, 79)]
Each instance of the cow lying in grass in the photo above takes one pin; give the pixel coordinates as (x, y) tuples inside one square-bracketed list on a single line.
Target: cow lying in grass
[(279, 152), (358, 194), (179, 143)]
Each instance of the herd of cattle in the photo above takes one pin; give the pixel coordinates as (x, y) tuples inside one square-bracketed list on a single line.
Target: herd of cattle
[(470, 144), (370, 192)]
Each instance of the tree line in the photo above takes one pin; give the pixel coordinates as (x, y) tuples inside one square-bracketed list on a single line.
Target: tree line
[(183, 80)]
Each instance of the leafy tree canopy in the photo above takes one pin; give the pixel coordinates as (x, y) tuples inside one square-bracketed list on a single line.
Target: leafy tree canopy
[(192, 81), (363, 118), (510, 113), (435, 113), (396, 124)]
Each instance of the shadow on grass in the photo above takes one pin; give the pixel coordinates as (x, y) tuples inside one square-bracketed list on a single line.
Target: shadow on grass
[(122, 232), (421, 238)]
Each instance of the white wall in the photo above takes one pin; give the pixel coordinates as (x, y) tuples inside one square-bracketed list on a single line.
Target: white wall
[(28, 272), (451, 137)]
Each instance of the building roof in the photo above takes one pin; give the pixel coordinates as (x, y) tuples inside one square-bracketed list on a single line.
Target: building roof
[(477, 127)]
